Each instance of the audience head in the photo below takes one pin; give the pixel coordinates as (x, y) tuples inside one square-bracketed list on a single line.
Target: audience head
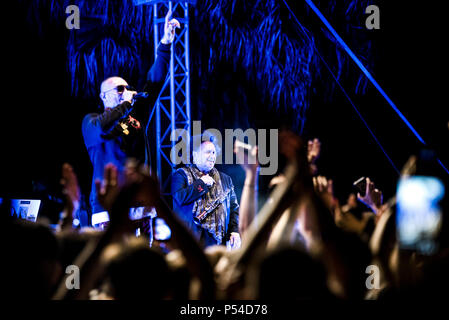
[(137, 272), (291, 274), (33, 268)]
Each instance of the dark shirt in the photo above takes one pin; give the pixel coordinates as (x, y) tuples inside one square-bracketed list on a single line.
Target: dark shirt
[(185, 195), (104, 147)]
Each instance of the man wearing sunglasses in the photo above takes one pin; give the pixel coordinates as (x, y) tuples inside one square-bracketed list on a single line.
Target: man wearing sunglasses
[(119, 132)]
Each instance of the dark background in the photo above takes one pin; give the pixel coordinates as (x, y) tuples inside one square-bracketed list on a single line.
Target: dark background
[(41, 121)]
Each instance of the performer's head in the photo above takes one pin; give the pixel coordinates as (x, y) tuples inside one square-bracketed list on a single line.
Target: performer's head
[(204, 154), (112, 90)]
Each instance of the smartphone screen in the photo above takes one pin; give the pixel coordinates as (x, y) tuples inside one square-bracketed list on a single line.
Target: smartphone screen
[(360, 186), (138, 213), (419, 213), (162, 231)]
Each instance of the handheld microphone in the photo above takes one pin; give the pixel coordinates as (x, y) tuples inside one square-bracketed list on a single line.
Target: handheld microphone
[(140, 95)]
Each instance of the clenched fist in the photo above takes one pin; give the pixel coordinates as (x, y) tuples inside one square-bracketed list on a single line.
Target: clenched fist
[(128, 95), (208, 180)]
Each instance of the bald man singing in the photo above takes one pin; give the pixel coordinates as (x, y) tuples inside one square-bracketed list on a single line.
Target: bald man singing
[(119, 132)]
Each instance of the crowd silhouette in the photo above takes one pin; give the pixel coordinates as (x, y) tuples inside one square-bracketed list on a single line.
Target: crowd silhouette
[(302, 244)]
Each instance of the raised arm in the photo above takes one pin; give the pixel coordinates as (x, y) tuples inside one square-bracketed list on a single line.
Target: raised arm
[(158, 71), (373, 197), (72, 193), (89, 260), (248, 202), (198, 264), (282, 197)]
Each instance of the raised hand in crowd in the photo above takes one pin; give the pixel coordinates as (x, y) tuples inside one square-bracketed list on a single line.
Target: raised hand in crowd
[(257, 234), (325, 189), (373, 197), (72, 194), (343, 216), (108, 188), (247, 157), (313, 152), (148, 194), (118, 199)]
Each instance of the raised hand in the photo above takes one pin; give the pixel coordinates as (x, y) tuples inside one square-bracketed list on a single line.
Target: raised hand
[(249, 161), (373, 197), (138, 189), (107, 190), (290, 145), (71, 188), (169, 28), (128, 95), (72, 193), (148, 192), (313, 152), (325, 189), (146, 187), (248, 204)]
